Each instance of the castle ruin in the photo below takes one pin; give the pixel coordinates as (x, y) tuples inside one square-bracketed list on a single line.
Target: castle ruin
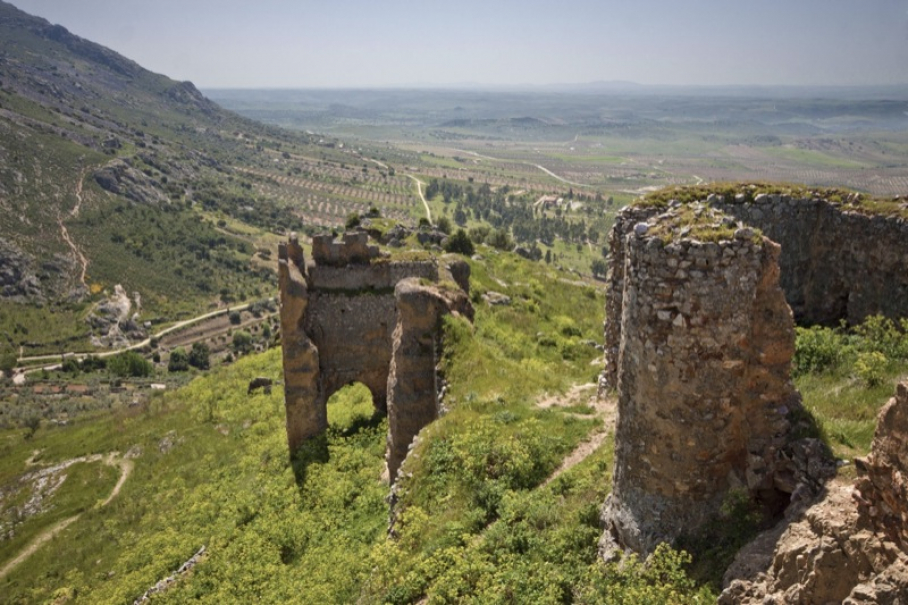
[(348, 316), (699, 336)]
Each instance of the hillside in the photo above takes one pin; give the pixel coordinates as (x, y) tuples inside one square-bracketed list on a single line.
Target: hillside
[(210, 469), (499, 503), (111, 174)]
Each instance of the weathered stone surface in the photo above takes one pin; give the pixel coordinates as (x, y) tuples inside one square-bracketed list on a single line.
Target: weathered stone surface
[(704, 394), (413, 384), (848, 548), (346, 317), (882, 490), (835, 263)]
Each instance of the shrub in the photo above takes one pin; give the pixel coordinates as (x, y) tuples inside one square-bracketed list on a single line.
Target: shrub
[(242, 342), (129, 363), (881, 334), (353, 221), (817, 349), (444, 225), (871, 367), (199, 356), (460, 243), (179, 361)]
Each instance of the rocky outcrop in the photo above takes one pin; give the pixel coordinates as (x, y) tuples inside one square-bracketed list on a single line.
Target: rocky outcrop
[(18, 281), (25, 278), (120, 178), (115, 321), (351, 316), (705, 402), (848, 548)]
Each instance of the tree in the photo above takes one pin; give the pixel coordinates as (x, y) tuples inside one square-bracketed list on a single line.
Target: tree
[(129, 363), (500, 239), (353, 221), (179, 360), (242, 342), (199, 356), (599, 267), (444, 225), (460, 243), (8, 361)]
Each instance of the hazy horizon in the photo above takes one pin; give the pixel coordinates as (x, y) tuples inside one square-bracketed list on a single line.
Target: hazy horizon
[(279, 44)]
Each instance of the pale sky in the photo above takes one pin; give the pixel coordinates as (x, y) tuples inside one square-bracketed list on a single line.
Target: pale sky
[(382, 43)]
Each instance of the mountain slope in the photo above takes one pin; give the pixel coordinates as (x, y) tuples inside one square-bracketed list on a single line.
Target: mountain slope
[(111, 174)]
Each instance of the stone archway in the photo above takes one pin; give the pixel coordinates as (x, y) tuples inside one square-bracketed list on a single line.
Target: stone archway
[(350, 316)]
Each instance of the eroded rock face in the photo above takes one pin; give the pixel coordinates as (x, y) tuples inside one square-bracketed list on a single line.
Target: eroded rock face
[(704, 394), (848, 548), (349, 316)]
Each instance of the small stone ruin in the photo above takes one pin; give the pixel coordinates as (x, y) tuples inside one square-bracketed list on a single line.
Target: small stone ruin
[(349, 315)]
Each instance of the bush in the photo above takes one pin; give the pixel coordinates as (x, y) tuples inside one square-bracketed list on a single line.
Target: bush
[(444, 225), (8, 361), (460, 243), (501, 239), (353, 221), (871, 367), (660, 579), (817, 349), (199, 356), (179, 361), (129, 363), (242, 342), (882, 335)]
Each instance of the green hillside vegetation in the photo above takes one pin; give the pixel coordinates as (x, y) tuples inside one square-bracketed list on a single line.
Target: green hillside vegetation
[(473, 515), (476, 519)]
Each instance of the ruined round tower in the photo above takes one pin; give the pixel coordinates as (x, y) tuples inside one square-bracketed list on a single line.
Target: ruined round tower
[(702, 363)]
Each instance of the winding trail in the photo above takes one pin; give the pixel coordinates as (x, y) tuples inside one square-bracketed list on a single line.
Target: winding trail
[(542, 168), (77, 252), (606, 409), (112, 459), (419, 185)]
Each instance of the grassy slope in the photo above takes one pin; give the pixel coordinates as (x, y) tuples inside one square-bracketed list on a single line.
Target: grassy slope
[(474, 521), (212, 469)]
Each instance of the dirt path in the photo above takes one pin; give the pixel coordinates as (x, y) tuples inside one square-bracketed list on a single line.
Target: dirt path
[(77, 252), (419, 185), (112, 459), (82, 260), (606, 409)]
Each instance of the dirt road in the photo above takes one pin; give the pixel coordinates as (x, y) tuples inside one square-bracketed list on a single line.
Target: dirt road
[(113, 459)]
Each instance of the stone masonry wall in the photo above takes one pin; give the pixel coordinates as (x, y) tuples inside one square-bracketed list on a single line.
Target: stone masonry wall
[(835, 263), (704, 394), (340, 320)]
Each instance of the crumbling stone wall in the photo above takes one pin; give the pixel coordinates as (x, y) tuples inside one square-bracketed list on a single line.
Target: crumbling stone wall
[(848, 548), (340, 314), (704, 394), (836, 263)]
